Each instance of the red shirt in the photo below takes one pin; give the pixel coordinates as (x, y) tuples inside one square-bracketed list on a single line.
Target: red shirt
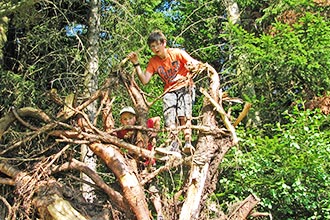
[(172, 68), (131, 138)]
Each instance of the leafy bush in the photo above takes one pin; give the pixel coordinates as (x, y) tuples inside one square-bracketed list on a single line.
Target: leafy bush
[(288, 171), (281, 65)]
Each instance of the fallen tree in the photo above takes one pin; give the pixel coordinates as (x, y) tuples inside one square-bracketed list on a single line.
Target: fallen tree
[(37, 183)]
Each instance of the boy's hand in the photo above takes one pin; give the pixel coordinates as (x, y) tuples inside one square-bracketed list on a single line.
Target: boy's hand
[(129, 134), (133, 57), (152, 134)]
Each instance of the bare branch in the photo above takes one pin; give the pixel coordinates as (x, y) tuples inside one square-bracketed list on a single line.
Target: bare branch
[(223, 115), (7, 205), (115, 196), (242, 115), (37, 133), (7, 181), (8, 119), (26, 124)]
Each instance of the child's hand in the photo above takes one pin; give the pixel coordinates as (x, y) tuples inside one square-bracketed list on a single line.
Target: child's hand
[(133, 57), (129, 134), (152, 134)]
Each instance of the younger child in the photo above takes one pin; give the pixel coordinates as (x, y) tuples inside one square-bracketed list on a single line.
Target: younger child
[(128, 117)]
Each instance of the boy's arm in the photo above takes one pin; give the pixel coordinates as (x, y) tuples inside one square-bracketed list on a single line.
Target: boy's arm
[(144, 77), (190, 60)]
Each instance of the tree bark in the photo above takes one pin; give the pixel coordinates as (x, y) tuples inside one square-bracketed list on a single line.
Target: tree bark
[(243, 209), (54, 207), (202, 156), (132, 189), (232, 11), (91, 83), (49, 201)]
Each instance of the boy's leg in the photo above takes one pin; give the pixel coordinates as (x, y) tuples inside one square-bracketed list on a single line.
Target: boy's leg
[(170, 113), (169, 106), (187, 148), (187, 131), (185, 103)]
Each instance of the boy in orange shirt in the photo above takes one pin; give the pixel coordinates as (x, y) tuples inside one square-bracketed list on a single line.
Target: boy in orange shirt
[(171, 65)]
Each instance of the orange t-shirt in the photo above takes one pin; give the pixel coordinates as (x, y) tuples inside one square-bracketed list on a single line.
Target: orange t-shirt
[(172, 68)]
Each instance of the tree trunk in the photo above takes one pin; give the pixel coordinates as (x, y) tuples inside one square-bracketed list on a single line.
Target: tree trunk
[(48, 200), (91, 83), (242, 68), (232, 11), (202, 156), (132, 189), (3, 35)]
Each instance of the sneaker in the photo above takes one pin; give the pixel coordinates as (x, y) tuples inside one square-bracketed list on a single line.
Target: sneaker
[(188, 149), (172, 149), (153, 189)]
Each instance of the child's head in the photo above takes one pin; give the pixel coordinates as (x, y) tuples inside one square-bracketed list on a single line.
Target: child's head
[(156, 36), (157, 43), (127, 116)]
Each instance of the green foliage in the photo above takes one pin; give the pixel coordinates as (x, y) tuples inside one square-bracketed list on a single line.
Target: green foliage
[(287, 167), (18, 91), (45, 56), (281, 67), (288, 171), (197, 28)]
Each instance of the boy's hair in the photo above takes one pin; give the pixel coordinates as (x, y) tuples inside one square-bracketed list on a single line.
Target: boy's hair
[(156, 36)]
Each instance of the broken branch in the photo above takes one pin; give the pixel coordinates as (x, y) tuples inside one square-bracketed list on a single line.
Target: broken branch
[(223, 115)]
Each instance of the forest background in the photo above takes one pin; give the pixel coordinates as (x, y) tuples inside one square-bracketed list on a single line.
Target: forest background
[(275, 56)]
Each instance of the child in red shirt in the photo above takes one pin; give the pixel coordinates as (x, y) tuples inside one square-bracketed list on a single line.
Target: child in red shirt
[(128, 117)]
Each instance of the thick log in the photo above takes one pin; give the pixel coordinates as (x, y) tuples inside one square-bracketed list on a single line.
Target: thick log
[(190, 209), (202, 156), (132, 189), (54, 207), (49, 202)]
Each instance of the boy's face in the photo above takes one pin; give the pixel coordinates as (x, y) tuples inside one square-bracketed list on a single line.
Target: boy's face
[(127, 119), (158, 48)]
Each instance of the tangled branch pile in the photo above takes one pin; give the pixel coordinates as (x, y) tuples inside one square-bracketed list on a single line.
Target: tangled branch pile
[(46, 184)]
